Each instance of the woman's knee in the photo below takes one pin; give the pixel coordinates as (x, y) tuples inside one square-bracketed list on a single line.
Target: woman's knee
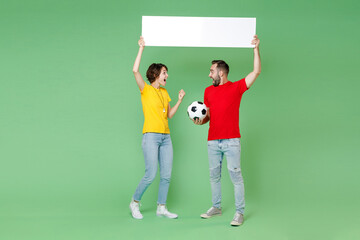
[(149, 177)]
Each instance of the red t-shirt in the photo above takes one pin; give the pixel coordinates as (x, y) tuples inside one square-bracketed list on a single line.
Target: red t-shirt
[(223, 102)]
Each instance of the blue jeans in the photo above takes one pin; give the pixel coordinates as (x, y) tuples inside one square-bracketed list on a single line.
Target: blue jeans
[(231, 148), (157, 149)]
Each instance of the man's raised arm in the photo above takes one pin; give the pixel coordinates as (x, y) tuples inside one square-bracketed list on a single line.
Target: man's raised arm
[(251, 77)]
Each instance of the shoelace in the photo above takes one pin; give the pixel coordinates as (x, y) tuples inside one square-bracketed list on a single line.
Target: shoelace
[(211, 210), (165, 210), (138, 207)]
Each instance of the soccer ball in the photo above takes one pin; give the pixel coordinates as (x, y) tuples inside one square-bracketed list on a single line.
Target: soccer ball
[(197, 110)]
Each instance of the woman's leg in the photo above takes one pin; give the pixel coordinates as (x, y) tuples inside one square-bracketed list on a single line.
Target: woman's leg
[(150, 146), (165, 164)]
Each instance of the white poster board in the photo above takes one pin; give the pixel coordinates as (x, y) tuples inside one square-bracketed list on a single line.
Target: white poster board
[(198, 31)]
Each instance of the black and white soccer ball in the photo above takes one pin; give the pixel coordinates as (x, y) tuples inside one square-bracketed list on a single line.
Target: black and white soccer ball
[(197, 110)]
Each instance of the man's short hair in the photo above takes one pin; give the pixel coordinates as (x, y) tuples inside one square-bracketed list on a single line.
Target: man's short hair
[(221, 66), (154, 71)]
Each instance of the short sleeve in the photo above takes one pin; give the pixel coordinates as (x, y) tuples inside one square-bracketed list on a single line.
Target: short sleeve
[(166, 94), (206, 99), (242, 86), (168, 97), (145, 89)]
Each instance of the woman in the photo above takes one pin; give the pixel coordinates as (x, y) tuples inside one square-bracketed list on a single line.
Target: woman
[(156, 142)]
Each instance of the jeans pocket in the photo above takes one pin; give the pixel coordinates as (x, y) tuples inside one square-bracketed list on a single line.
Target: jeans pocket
[(234, 142), (143, 139), (211, 143)]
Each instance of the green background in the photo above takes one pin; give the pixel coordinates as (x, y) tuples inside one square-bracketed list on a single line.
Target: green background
[(71, 121)]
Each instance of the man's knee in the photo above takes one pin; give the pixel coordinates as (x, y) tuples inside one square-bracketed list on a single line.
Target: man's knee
[(235, 175), (215, 174)]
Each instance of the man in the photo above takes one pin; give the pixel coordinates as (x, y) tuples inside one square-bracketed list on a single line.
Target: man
[(223, 103)]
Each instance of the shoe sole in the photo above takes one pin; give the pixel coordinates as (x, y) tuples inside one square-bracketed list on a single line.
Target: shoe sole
[(235, 224), (204, 216), (160, 215)]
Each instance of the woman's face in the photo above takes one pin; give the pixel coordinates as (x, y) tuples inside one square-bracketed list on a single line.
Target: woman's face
[(162, 77)]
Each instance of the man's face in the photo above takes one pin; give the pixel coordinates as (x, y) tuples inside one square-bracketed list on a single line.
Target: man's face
[(214, 75)]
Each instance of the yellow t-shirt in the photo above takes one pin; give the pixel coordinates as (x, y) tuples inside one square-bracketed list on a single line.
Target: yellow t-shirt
[(154, 102)]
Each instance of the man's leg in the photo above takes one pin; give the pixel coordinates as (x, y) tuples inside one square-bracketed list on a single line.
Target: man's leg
[(232, 153), (215, 161)]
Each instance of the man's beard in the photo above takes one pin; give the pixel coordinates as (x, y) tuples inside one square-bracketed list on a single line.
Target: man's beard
[(216, 81)]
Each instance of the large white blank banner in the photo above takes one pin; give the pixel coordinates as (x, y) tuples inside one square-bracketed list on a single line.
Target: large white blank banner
[(198, 31)]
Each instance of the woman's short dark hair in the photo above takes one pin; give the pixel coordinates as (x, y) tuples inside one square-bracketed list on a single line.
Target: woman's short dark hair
[(154, 71), (221, 65)]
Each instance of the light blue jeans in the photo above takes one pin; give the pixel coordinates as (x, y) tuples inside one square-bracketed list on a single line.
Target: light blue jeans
[(158, 150), (231, 148)]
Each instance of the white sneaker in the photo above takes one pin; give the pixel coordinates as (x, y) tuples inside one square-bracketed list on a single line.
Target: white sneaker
[(213, 211), (135, 211), (162, 211), (238, 219)]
